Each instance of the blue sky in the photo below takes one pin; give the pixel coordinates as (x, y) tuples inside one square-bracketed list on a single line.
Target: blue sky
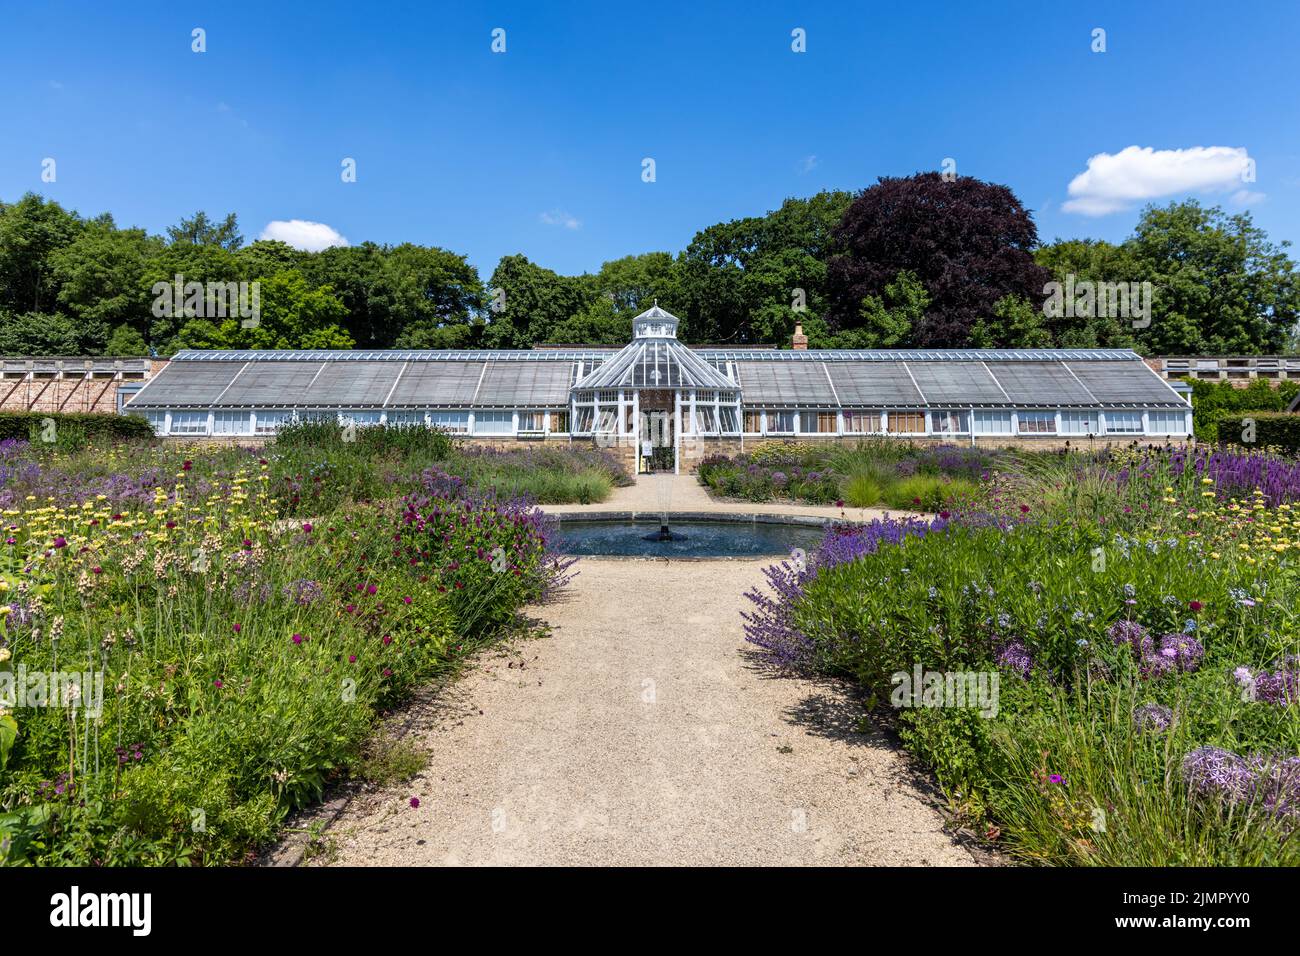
[(539, 150)]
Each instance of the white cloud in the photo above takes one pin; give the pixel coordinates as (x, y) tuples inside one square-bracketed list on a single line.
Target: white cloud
[(558, 217), (301, 234), (1138, 173), (808, 163), (1246, 197)]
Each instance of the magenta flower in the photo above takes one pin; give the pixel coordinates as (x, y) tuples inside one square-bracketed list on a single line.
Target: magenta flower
[(307, 527), (415, 803), (217, 684), (406, 600), (297, 638), (238, 627), (1195, 605)]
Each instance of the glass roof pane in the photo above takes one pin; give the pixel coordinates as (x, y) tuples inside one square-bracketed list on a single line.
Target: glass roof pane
[(1128, 382), (525, 385), (786, 383), (270, 383), (872, 383), (187, 383), (956, 383), (361, 384), (1040, 383), (438, 384)]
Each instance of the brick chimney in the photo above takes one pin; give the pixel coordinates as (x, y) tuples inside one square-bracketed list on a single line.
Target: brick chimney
[(799, 340)]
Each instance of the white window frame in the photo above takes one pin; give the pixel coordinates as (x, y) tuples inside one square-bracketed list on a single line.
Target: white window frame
[(1080, 422), (768, 417), (454, 421), (493, 416), (871, 415), (961, 415), (1173, 416), (983, 417), (1128, 415), (242, 421), (269, 421), (531, 420), (197, 423), (1042, 415), (921, 412)]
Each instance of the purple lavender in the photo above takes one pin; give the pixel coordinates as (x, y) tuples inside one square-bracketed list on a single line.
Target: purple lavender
[(771, 624)]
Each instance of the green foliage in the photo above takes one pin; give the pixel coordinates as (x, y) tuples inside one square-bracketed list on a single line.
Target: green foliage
[(885, 322), (1016, 324), (1088, 260), (929, 493), (861, 475), (245, 658), (860, 491), (1212, 400), (919, 262), (126, 341), (1065, 741), (34, 426), (1277, 431), (1221, 287)]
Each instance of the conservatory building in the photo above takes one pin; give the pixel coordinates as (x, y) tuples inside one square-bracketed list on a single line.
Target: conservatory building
[(663, 405)]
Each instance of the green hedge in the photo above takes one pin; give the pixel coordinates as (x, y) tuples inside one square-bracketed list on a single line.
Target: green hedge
[(1212, 400), (1271, 429), (32, 426)]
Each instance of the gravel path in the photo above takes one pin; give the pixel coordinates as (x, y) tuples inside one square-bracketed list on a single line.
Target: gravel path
[(641, 733)]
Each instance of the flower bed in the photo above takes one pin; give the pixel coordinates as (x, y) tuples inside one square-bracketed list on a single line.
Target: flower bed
[(859, 476), (191, 666), (1147, 691)]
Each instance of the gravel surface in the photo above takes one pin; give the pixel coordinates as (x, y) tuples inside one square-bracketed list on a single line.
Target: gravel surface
[(642, 732)]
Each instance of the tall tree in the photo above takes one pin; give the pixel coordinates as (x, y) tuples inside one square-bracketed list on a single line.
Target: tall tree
[(31, 231), (199, 230), (1074, 261), (103, 274), (1220, 285), (527, 301), (969, 242), (751, 280)]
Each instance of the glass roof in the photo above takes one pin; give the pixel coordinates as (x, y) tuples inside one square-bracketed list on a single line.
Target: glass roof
[(544, 378)]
